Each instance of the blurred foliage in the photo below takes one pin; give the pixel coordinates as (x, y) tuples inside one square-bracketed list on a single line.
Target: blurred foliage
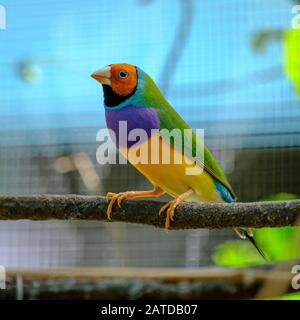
[(277, 243), (280, 196), (290, 296), (261, 39), (236, 253), (292, 56), (29, 71), (291, 46)]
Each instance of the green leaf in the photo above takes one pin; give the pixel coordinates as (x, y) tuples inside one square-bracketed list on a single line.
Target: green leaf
[(280, 197), (236, 253), (291, 43), (290, 296), (279, 243)]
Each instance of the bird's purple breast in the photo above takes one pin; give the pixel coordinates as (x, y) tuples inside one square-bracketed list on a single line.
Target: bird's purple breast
[(135, 118)]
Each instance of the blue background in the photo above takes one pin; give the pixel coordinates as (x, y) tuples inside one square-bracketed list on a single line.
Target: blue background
[(218, 82)]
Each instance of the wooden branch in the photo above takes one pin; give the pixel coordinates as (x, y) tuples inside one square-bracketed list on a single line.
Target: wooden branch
[(150, 283), (189, 215)]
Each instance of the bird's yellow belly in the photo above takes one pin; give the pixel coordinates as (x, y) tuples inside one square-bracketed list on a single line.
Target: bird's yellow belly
[(173, 177)]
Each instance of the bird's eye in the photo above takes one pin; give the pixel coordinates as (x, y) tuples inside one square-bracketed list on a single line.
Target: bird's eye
[(123, 74)]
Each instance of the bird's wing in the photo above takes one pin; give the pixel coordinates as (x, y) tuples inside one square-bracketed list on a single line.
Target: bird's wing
[(170, 119)]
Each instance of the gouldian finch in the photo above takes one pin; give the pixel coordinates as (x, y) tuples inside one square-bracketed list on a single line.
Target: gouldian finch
[(131, 95)]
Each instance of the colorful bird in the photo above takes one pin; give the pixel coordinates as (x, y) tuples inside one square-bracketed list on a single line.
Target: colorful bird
[(131, 95)]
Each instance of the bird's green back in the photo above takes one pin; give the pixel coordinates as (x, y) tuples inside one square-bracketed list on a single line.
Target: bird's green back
[(170, 119)]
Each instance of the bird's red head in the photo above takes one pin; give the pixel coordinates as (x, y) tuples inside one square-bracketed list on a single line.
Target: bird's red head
[(121, 77)]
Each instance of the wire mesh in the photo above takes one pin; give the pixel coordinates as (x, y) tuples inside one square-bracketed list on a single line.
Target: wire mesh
[(203, 56)]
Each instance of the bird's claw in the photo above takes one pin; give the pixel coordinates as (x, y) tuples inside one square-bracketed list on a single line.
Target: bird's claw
[(112, 198), (170, 207), (109, 195), (120, 199)]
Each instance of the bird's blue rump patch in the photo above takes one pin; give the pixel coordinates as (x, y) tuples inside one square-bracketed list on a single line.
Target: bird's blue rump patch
[(224, 192)]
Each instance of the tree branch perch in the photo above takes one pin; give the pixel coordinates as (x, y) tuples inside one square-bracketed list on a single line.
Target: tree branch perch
[(189, 215)]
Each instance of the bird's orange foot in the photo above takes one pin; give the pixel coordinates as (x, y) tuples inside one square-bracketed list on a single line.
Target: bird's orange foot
[(119, 197), (171, 207), (112, 198)]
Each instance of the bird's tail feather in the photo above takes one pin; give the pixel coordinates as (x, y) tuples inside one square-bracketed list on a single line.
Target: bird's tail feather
[(246, 233)]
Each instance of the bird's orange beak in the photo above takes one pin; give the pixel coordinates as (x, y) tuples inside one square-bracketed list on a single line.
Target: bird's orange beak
[(102, 76)]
